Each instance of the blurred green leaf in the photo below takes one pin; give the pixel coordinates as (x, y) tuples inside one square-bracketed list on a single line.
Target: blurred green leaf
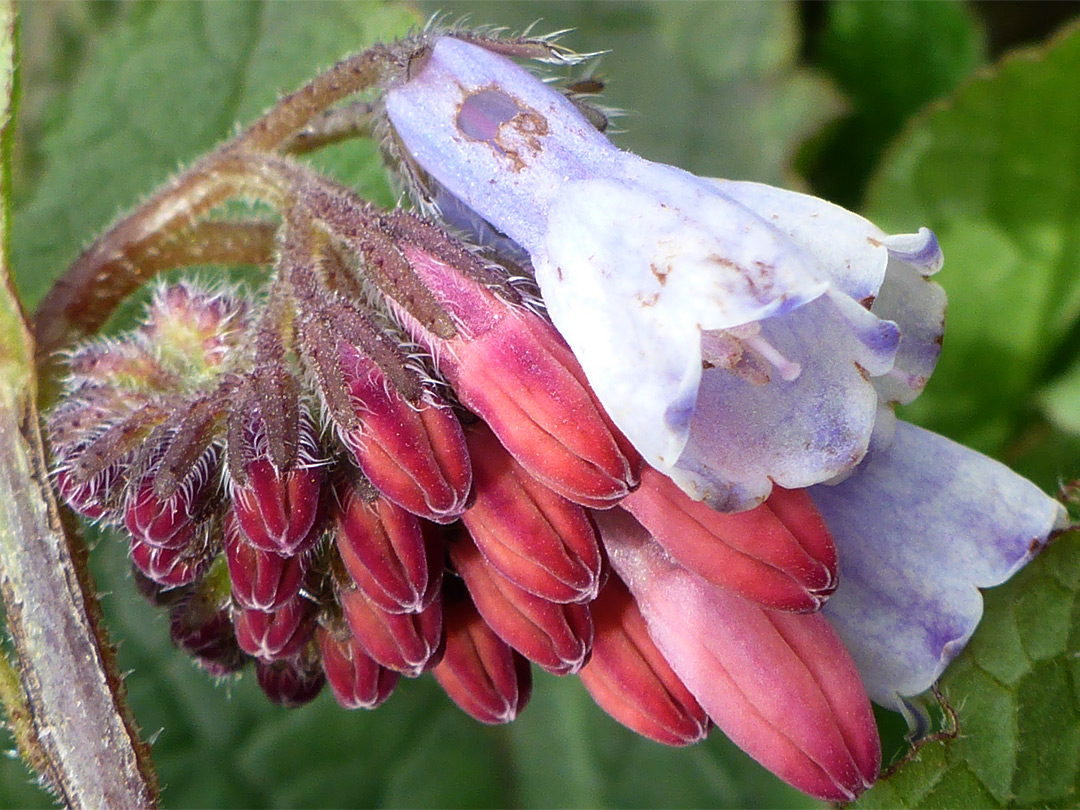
[(715, 88), (1016, 690), (166, 84), (995, 171), (890, 59)]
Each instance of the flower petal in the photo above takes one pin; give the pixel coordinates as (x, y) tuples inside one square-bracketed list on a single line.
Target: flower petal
[(745, 434), (920, 526)]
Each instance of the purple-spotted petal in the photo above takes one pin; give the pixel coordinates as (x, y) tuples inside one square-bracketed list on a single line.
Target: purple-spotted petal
[(920, 526)]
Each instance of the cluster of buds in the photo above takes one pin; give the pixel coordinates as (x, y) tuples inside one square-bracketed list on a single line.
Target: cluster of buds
[(391, 461)]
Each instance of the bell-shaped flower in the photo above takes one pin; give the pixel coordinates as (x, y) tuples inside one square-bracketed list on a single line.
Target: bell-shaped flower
[(694, 306)]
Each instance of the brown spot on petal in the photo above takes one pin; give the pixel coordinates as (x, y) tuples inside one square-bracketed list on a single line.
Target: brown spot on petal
[(661, 274), (873, 241), (503, 122)]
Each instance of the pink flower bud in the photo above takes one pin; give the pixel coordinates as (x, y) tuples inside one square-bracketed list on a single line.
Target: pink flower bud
[(510, 367), (272, 636), (479, 671), (414, 453), (357, 680), (630, 679), (290, 683), (782, 686), (409, 643), (278, 509), (386, 553), (170, 522), (535, 538), (782, 558), (169, 567), (556, 636), (261, 580), (192, 327)]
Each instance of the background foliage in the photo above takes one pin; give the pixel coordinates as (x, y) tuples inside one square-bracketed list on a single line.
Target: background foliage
[(885, 106)]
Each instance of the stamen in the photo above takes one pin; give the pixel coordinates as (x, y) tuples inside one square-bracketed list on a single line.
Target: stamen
[(789, 370)]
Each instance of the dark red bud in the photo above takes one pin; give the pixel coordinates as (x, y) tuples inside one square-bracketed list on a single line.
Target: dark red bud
[(479, 671), (261, 580), (357, 680), (275, 635), (386, 552), (289, 683), (408, 643)]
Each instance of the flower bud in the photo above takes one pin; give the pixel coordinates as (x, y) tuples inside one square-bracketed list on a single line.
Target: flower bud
[(414, 453), (357, 680), (782, 558), (386, 552), (208, 637), (409, 643), (479, 671), (272, 636), (194, 329), (277, 509), (535, 538), (290, 683), (261, 580), (170, 522), (510, 367), (169, 567), (782, 686), (630, 679), (558, 637)]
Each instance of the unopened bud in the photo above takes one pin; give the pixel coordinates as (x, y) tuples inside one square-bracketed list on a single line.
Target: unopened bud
[(556, 636), (409, 643), (357, 680), (479, 671), (532, 536), (630, 679)]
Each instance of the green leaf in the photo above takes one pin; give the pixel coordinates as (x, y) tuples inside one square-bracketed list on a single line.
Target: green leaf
[(995, 171), (1016, 691), (890, 59), (715, 88), (165, 85)]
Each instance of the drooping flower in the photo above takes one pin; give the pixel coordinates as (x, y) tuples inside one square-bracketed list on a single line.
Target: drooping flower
[(434, 515), (696, 308)]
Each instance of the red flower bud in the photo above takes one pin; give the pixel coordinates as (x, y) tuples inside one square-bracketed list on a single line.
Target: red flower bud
[(261, 580), (510, 367), (781, 685), (782, 558), (275, 635), (170, 522), (290, 683), (479, 671), (535, 538), (414, 453), (386, 553), (408, 643), (277, 510), (207, 636), (630, 679), (357, 680), (169, 567), (558, 637)]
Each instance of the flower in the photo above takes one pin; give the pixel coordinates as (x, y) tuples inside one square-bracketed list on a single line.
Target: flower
[(698, 309), (392, 463)]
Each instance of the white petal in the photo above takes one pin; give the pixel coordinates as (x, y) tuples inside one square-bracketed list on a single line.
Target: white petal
[(850, 249), (920, 526), (635, 266)]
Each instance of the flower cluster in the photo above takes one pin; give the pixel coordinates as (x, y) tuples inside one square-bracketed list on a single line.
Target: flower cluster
[(645, 435)]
